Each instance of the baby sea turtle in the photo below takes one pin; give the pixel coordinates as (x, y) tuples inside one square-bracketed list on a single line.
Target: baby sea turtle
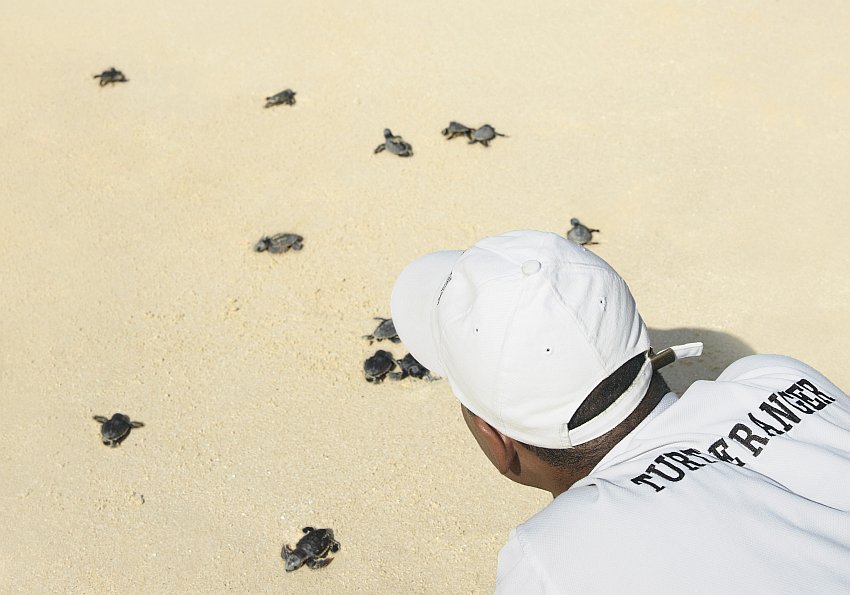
[(395, 145), (410, 367), (484, 135), (281, 242), (457, 129), (286, 96), (581, 234), (114, 430), (378, 366), (384, 330), (312, 549), (111, 76)]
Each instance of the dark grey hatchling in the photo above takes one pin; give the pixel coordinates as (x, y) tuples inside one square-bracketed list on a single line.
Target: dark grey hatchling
[(484, 135), (111, 76), (115, 429), (312, 550), (286, 97), (378, 366), (384, 331), (581, 234), (410, 367), (457, 129), (281, 242), (395, 145)]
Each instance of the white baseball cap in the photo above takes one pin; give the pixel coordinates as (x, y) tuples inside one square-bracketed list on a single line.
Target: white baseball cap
[(524, 325)]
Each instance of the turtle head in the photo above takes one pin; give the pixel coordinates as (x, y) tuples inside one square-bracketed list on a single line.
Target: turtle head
[(574, 221), (387, 133), (292, 560)]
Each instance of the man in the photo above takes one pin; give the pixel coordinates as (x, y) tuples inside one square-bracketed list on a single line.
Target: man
[(738, 486)]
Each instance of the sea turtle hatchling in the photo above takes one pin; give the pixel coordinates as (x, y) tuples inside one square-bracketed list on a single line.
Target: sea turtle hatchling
[(410, 367), (287, 96), (581, 234), (111, 76), (312, 549), (395, 145), (115, 429), (456, 129), (484, 135), (384, 331), (378, 366), (278, 243)]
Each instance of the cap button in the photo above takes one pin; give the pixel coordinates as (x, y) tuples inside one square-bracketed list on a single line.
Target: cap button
[(529, 267)]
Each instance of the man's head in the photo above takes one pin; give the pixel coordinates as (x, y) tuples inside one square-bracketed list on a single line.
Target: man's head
[(525, 325), (556, 469)]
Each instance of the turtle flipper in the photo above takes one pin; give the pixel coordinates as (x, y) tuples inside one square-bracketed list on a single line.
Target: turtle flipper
[(317, 563)]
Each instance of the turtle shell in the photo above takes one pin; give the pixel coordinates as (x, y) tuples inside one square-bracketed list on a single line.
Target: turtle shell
[(411, 367), (376, 367), (116, 428), (286, 96), (486, 132), (455, 128), (385, 330)]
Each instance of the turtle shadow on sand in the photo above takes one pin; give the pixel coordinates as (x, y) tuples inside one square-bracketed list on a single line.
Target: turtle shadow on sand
[(719, 350)]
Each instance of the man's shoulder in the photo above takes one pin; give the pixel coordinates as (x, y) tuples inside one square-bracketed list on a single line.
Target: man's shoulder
[(754, 374), (575, 538), (753, 366), (573, 541), (581, 508)]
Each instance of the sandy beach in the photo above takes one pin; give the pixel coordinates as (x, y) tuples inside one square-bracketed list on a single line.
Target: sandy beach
[(708, 142)]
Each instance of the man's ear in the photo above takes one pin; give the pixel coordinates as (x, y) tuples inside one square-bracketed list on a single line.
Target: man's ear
[(500, 449)]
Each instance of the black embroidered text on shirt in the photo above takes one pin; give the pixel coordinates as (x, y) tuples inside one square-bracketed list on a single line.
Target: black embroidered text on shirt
[(777, 414)]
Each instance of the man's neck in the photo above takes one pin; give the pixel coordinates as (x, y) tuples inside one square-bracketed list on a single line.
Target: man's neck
[(558, 480)]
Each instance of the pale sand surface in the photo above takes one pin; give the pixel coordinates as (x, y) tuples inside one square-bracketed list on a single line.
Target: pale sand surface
[(708, 141)]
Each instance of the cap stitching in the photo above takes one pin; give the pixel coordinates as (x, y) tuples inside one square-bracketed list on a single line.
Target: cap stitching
[(564, 437), (580, 324), (499, 384)]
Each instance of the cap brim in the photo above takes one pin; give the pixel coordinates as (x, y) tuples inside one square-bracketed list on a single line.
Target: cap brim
[(413, 303)]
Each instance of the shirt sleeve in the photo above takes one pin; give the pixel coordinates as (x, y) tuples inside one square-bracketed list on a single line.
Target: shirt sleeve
[(516, 573)]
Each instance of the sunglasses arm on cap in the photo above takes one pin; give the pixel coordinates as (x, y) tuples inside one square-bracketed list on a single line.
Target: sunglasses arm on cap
[(665, 357)]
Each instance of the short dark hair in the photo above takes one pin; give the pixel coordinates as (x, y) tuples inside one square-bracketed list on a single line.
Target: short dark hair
[(600, 398)]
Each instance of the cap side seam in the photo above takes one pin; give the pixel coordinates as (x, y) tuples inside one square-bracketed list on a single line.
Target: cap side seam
[(579, 324), (508, 323)]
